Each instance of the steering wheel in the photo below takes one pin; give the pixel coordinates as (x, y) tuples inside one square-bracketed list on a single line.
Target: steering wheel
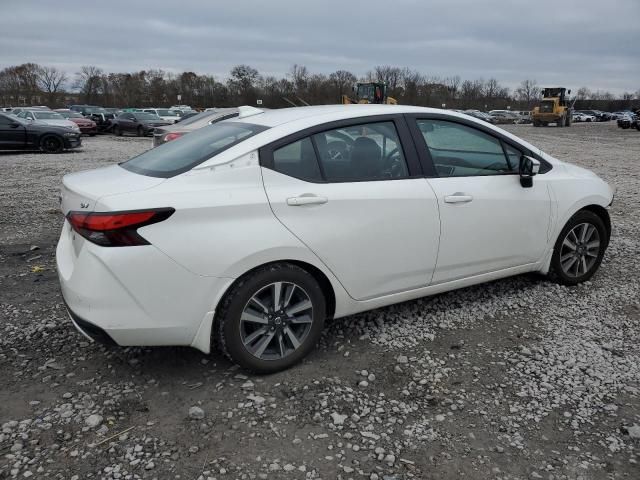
[(393, 162), (337, 151)]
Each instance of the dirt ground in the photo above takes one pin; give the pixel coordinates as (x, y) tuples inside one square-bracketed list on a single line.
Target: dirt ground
[(516, 379)]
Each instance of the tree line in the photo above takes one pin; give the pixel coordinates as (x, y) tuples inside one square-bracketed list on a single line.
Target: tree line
[(33, 84)]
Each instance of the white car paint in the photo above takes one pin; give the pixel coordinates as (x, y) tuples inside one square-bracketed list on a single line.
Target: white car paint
[(44, 116), (163, 114), (377, 243)]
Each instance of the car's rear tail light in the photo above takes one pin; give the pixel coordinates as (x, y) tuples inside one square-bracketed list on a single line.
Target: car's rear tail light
[(172, 136), (116, 229)]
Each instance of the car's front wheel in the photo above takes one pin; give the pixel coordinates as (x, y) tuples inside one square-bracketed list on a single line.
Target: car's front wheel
[(52, 144), (271, 319), (579, 249)]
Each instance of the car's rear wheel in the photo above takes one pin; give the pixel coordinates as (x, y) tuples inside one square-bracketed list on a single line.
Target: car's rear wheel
[(271, 319), (140, 131), (117, 131), (51, 144), (579, 249)]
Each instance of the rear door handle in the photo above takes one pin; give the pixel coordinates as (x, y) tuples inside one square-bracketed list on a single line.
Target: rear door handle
[(458, 198), (306, 200)]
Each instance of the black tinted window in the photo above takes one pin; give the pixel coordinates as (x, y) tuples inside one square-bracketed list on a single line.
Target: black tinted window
[(298, 159), (181, 155), (461, 151), (369, 151)]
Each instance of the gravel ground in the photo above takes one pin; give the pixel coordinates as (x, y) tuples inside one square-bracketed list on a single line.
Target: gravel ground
[(515, 379)]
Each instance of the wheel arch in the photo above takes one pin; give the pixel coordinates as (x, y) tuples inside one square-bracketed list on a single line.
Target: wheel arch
[(603, 213), (203, 339)]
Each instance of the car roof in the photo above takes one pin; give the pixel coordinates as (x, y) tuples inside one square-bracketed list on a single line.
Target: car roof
[(280, 116)]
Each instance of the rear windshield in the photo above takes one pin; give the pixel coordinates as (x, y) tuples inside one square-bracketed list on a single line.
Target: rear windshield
[(179, 156)]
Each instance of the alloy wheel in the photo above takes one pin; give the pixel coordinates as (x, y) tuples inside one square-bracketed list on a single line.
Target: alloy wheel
[(276, 321), (580, 250)]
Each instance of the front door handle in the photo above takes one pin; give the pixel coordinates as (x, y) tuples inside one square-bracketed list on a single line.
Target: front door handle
[(458, 198), (306, 200)]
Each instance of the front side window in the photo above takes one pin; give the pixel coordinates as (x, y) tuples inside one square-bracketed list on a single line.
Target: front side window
[(174, 158), (355, 153), (461, 151)]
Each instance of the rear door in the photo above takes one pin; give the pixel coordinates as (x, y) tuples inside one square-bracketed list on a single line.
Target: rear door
[(489, 221), (354, 194)]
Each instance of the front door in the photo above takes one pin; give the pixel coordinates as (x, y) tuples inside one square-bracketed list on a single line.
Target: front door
[(352, 195), (12, 133), (489, 221)]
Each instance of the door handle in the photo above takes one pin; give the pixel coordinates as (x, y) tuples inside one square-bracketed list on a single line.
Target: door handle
[(306, 200), (458, 198)]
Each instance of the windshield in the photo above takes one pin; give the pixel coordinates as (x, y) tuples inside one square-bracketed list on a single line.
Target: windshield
[(166, 113), (96, 110), (71, 114), (179, 156), (48, 116)]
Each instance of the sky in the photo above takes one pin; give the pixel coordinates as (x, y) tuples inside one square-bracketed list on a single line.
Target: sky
[(571, 43)]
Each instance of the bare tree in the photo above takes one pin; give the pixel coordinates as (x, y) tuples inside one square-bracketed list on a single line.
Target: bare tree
[(51, 81), (88, 81), (342, 81), (528, 91)]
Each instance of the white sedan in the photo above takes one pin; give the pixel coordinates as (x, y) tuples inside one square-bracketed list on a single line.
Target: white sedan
[(247, 234), (48, 117), (582, 117)]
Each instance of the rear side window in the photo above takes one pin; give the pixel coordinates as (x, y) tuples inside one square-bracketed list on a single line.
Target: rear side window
[(355, 153), (298, 159), (179, 156)]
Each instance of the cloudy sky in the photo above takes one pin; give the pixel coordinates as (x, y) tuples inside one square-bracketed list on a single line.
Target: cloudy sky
[(573, 43)]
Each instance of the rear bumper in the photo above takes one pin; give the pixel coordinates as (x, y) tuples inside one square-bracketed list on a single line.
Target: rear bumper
[(132, 296), (89, 330)]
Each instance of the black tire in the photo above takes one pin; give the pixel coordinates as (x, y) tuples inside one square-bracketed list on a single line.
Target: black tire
[(560, 122), (51, 144), (140, 132), (557, 271), (92, 134), (117, 131), (536, 124), (545, 124), (228, 327), (568, 122)]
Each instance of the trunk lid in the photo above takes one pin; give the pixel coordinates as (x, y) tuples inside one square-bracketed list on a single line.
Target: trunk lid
[(82, 190)]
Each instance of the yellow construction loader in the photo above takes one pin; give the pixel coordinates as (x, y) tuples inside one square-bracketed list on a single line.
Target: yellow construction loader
[(372, 92), (554, 108)]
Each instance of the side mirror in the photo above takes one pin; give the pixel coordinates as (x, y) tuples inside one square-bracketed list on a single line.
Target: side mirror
[(529, 167)]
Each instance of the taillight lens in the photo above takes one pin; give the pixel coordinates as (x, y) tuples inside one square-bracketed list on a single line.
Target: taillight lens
[(116, 229), (172, 136)]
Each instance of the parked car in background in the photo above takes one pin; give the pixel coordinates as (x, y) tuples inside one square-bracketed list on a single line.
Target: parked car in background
[(49, 117), (85, 109), (599, 116), (140, 123), (182, 108), (85, 124), (165, 114), (504, 116), (19, 110), (480, 115), (524, 117), (6, 109), (173, 132), (186, 115), (629, 120), (582, 117), (238, 222), (18, 134)]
